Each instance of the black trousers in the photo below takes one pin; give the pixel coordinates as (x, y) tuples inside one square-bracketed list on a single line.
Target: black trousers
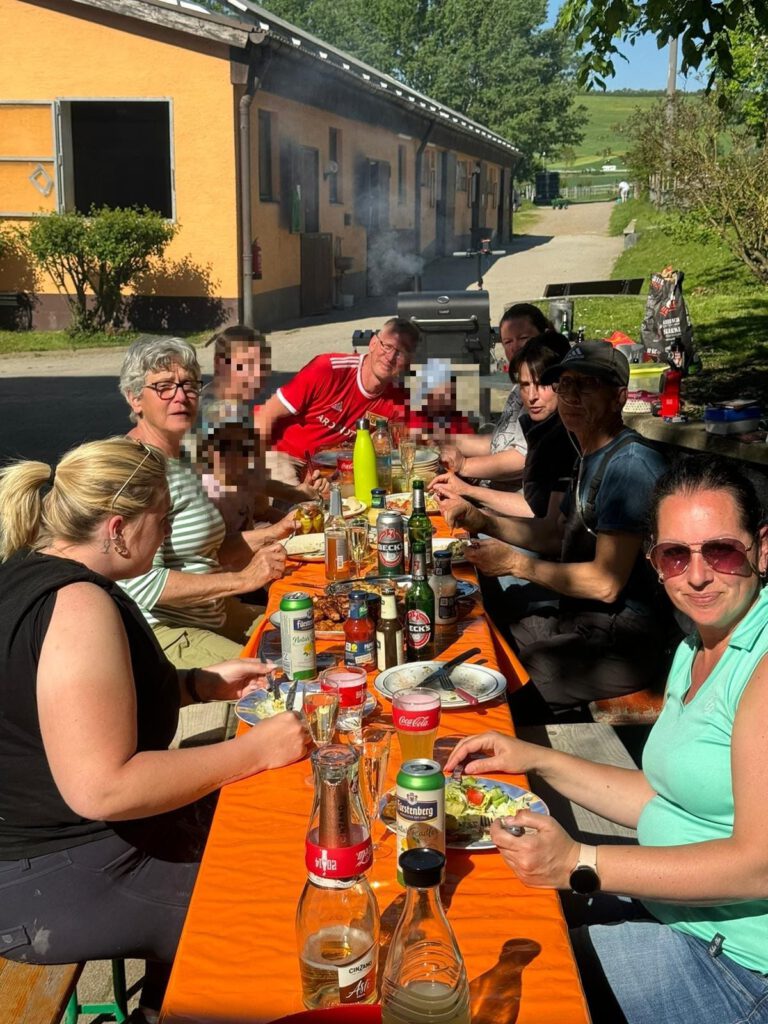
[(123, 895)]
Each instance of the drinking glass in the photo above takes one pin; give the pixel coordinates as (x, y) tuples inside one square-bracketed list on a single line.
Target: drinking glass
[(350, 682), (407, 459), (374, 759), (416, 715), (357, 538), (320, 709)]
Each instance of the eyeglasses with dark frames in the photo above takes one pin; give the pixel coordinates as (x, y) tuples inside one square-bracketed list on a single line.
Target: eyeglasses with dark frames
[(723, 554), (150, 453), (166, 390), (392, 351)]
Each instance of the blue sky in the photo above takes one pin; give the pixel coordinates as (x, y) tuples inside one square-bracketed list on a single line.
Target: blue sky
[(646, 65)]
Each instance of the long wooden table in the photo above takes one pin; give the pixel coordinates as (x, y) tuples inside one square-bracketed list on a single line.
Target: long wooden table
[(237, 961)]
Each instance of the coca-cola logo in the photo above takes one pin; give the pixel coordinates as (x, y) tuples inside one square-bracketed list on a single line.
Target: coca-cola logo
[(422, 721)]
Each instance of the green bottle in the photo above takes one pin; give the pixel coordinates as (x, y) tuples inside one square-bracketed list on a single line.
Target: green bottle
[(419, 526), (419, 609), (364, 463)]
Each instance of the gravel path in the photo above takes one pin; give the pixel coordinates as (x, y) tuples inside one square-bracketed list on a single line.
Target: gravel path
[(563, 245)]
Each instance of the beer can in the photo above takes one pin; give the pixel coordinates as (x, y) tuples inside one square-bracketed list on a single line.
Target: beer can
[(390, 544), (420, 814), (297, 635)]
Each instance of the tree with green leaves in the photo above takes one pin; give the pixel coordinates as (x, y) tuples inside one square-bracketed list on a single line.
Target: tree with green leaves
[(91, 259), (695, 160), (494, 62), (708, 31)]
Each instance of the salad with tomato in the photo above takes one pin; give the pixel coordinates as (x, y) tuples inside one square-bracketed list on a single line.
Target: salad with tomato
[(471, 799)]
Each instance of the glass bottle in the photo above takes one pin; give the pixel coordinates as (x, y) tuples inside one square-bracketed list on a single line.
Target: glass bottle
[(390, 648), (419, 609), (443, 584), (338, 565), (359, 633), (382, 444), (378, 504), (337, 918), (364, 463), (425, 981), (419, 526)]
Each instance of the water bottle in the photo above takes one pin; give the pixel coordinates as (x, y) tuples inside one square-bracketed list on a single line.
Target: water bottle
[(364, 463)]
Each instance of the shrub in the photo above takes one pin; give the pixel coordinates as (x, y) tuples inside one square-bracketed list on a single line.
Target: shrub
[(91, 259)]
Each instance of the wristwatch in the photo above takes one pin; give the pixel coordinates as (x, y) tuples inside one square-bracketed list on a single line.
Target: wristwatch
[(584, 878)]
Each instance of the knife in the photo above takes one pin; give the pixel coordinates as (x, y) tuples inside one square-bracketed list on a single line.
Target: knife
[(449, 666), (290, 697)]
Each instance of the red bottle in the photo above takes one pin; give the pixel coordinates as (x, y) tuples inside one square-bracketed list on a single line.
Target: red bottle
[(359, 633), (670, 395)]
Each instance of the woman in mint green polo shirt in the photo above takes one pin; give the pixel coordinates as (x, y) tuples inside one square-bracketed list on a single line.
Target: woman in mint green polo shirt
[(699, 803)]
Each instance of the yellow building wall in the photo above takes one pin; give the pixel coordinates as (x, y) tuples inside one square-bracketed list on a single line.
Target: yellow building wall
[(47, 55)]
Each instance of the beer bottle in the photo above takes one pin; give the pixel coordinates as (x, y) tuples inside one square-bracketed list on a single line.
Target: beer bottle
[(420, 609), (419, 526), (390, 649), (338, 565)]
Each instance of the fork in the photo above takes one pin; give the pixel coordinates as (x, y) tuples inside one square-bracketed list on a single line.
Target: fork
[(445, 681), (515, 830)]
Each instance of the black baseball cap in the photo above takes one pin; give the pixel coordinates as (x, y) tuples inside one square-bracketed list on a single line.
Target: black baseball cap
[(594, 359)]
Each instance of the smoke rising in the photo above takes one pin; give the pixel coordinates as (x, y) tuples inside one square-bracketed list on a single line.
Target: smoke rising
[(390, 268)]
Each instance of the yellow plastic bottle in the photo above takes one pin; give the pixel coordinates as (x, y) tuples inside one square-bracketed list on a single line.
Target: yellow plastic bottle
[(364, 463)]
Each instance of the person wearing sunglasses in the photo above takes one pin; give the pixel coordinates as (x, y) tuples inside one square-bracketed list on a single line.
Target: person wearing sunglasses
[(608, 629), (102, 826), (695, 946), (319, 407), (189, 594)]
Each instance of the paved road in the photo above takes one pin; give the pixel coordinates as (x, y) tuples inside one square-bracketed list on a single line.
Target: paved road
[(51, 401)]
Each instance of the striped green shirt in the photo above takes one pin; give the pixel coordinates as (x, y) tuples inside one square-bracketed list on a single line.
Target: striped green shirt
[(197, 532)]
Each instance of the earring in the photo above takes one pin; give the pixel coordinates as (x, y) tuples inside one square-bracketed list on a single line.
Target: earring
[(119, 543), (105, 545)]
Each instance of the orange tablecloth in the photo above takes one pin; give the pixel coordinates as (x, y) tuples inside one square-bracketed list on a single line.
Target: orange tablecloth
[(237, 961)]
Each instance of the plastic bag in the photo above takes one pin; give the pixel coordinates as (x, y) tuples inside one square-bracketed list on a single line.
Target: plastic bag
[(666, 319)]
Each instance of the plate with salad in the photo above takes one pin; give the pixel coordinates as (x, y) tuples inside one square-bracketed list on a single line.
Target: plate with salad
[(469, 800)]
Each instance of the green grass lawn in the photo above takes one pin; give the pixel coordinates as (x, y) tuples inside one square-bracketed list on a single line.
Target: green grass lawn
[(608, 111), (50, 341)]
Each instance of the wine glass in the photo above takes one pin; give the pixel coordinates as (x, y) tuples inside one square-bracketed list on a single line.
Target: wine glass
[(374, 759), (320, 709), (407, 459), (357, 538)]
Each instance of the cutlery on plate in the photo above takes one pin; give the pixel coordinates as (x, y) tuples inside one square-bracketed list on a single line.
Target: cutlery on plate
[(290, 697), (447, 683), (514, 830), (449, 666)]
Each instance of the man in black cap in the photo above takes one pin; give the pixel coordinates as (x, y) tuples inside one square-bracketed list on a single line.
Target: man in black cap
[(607, 633)]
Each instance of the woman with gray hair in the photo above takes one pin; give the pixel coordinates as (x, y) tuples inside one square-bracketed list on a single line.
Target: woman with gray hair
[(101, 826), (189, 595)]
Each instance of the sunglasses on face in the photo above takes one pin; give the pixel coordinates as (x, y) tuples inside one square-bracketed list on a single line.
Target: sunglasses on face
[(723, 554)]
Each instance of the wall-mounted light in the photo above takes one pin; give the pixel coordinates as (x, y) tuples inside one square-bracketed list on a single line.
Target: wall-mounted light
[(330, 168)]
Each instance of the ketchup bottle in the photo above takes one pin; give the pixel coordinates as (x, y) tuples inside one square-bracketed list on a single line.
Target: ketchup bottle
[(359, 632)]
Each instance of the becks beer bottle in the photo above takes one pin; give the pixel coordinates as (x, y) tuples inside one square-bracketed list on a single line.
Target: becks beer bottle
[(337, 919), (420, 609), (419, 526)]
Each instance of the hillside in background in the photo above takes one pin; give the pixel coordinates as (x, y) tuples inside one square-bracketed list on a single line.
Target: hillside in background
[(604, 140)]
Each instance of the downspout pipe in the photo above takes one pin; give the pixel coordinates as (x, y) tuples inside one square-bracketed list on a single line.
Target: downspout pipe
[(244, 190), (417, 200)]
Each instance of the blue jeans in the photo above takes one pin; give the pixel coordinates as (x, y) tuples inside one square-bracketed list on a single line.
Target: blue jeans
[(659, 975)]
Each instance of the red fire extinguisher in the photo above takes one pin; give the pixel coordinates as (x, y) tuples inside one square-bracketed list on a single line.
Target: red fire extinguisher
[(256, 258)]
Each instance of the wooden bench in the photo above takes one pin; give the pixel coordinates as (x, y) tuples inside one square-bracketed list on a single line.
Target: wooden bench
[(641, 708), (31, 994), (621, 286), (630, 234)]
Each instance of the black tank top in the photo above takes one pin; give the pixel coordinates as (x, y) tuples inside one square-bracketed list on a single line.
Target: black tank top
[(34, 819)]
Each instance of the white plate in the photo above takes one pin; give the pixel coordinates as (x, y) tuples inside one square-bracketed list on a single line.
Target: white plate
[(401, 502), (260, 704), (306, 547), (351, 507), (479, 680), (443, 543), (513, 792)]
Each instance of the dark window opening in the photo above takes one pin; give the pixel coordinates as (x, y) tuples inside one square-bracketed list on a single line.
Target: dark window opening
[(121, 155), (266, 177), (401, 176), (334, 156)]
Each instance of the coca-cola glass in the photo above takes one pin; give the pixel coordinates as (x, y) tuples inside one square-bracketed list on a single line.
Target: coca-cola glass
[(350, 681), (374, 760), (416, 716)]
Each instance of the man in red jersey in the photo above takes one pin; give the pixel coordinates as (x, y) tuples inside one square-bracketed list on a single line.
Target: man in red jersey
[(319, 407)]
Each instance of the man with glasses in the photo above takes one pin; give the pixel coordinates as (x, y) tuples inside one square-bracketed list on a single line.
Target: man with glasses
[(319, 407), (608, 632)]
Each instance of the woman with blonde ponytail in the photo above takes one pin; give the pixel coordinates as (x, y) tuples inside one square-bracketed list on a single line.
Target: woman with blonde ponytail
[(101, 826)]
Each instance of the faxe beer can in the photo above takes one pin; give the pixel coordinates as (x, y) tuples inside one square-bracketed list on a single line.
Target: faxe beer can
[(390, 544), (420, 802), (297, 635)]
